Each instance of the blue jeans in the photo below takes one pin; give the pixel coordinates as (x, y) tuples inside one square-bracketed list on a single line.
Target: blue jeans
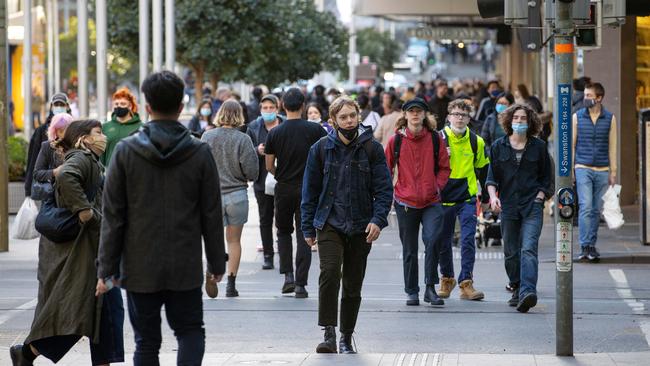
[(520, 242), (466, 213), (184, 310), (409, 221), (592, 185)]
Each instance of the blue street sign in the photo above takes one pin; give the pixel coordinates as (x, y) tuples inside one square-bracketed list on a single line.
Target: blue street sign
[(564, 119)]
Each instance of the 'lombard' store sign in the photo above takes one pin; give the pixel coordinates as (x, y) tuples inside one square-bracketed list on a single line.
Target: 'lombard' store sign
[(453, 33)]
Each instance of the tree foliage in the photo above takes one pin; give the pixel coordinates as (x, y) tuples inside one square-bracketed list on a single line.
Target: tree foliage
[(256, 41), (379, 47)]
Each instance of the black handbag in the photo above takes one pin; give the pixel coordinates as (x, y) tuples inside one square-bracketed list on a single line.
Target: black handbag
[(42, 191), (58, 224)]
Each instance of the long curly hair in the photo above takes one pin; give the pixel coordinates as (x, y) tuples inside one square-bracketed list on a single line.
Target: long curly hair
[(534, 123)]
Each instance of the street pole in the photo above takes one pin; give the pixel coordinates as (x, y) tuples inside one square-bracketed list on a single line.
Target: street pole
[(143, 15), (565, 197), (157, 32), (353, 48), (57, 53), (4, 121), (102, 87), (170, 36), (27, 69), (49, 6), (82, 57), (66, 16)]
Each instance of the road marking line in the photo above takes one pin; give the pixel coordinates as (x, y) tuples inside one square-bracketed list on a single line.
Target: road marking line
[(15, 311), (624, 291), (425, 357), (645, 328), (437, 359), (400, 360), (412, 361)]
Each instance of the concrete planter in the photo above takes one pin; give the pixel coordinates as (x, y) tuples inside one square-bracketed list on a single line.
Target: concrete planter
[(16, 196)]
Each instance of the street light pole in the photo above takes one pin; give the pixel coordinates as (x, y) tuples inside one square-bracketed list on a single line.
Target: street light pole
[(49, 7), (170, 36), (353, 47), (565, 196), (4, 121), (27, 68), (82, 57), (102, 87), (57, 53), (143, 15), (157, 32)]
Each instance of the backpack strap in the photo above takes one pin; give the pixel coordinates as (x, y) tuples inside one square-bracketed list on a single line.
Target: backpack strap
[(436, 150), (370, 150), (473, 140)]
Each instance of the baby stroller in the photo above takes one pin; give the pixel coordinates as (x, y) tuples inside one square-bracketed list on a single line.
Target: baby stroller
[(488, 228)]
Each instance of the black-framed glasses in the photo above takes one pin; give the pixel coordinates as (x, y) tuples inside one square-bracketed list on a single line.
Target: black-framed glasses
[(459, 115)]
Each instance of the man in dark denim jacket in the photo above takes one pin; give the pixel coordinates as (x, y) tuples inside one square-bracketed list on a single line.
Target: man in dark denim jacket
[(346, 196), (519, 180)]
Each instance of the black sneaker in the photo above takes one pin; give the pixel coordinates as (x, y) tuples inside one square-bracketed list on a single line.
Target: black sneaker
[(584, 253), (412, 300), (268, 262), (528, 301), (592, 254), (514, 300)]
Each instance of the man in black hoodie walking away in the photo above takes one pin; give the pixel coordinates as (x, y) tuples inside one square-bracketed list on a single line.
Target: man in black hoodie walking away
[(161, 196)]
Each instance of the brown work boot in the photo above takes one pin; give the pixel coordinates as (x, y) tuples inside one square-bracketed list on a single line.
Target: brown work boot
[(447, 285), (210, 285), (467, 291)]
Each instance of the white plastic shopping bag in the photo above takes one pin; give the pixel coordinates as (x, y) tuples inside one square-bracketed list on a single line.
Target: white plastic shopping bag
[(269, 184), (23, 228), (612, 207)]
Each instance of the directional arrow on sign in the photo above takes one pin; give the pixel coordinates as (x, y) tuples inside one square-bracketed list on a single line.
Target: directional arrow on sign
[(564, 169)]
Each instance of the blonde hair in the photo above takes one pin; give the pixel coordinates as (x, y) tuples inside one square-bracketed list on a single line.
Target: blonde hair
[(230, 114), (341, 102)]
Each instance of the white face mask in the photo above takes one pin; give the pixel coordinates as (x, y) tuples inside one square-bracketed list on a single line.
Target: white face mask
[(458, 131)]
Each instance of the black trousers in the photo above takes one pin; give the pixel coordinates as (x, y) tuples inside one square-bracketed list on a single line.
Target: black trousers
[(287, 213), (184, 311), (351, 252), (265, 206)]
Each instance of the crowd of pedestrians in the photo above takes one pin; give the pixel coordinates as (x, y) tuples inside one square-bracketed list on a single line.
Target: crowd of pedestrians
[(327, 166)]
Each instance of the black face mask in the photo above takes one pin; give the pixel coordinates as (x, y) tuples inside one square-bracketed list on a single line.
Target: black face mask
[(350, 134), (120, 111)]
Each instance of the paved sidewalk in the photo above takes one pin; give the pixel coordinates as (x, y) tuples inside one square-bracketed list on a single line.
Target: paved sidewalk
[(393, 359)]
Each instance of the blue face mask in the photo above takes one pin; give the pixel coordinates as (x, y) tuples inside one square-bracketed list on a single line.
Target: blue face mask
[(59, 110), (520, 128), (500, 108), (495, 93), (206, 112), (268, 116)]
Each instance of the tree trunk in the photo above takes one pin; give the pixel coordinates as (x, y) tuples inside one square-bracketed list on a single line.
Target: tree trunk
[(214, 80), (199, 74)]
